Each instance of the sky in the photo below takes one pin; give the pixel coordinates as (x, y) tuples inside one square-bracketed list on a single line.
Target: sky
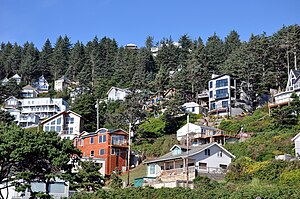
[(131, 21)]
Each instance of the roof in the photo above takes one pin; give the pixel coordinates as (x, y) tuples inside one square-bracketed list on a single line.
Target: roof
[(192, 151), (5, 79), (64, 78), (219, 76), (28, 87), (294, 138), (190, 104), (99, 131), (58, 114), (121, 89), (296, 72), (16, 76), (10, 97)]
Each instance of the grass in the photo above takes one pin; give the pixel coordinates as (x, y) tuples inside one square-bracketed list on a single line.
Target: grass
[(138, 172)]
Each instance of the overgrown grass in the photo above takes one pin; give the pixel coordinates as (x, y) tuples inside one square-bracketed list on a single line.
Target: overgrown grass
[(138, 172)]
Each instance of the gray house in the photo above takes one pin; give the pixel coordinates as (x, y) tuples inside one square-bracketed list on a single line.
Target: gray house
[(206, 158)]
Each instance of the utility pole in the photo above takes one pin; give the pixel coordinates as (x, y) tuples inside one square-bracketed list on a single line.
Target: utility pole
[(187, 152), (128, 157), (97, 106)]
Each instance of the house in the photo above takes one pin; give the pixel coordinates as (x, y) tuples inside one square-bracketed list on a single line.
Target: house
[(61, 84), (191, 107), (115, 93), (131, 46), (41, 85), (108, 148), (29, 92), (67, 124), (17, 78), (296, 140), (293, 85), (201, 134), (28, 120), (12, 103), (154, 50), (43, 107), (209, 158), (4, 81), (222, 94), (57, 189)]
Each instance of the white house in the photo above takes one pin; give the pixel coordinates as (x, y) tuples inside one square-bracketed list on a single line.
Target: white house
[(222, 93), (4, 81), (67, 124), (296, 140), (12, 102), (191, 107), (115, 93), (293, 85), (61, 84), (201, 134), (28, 91), (17, 78), (206, 158), (44, 107), (41, 85)]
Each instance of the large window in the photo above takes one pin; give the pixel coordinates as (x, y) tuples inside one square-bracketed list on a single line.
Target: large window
[(152, 168), (117, 139), (91, 140), (69, 120), (222, 93), (102, 138), (222, 83), (58, 121)]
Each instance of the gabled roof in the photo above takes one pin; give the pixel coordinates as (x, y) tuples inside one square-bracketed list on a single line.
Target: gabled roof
[(58, 114), (294, 138), (64, 78), (192, 151), (11, 97), (16, 76), (5, 79), (28, 87), (120, 89), (190, 104), (178, 146)]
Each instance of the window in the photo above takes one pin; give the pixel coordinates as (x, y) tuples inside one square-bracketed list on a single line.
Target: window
[(117, 139), (46, 128), (101, 152), (52, 128), (69, 120), (81, 141), (193, 109), (104, 138), (70, 130), (152, 168), (223, 166), (222, 93), (91, 140), (58, 129), (202, 165), (207, 152), (222, 83), (92, 153), (210, 84), (220, 154), (210, 94), (58, 121), (100, 140), (212, 106), (113, 151), (53, 122), (224, 104)]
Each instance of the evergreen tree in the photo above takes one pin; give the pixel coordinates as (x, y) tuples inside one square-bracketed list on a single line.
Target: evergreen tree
[(61, 54), (77, 61), (46, 60), (29, 67), (232, 42)]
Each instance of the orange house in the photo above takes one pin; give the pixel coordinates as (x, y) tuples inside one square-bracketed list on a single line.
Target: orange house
[(108, 148)]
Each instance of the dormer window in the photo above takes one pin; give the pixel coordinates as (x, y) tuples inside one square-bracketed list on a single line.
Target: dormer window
[(176, 151)]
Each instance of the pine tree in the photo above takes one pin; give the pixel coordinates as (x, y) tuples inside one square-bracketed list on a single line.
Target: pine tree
[(46, 60), (29, 67), (77, 61), (61, 53)]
